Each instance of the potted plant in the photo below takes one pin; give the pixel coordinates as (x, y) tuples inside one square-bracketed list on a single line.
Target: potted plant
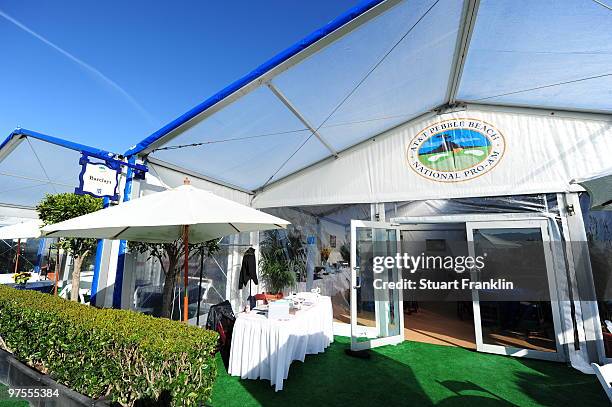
[(21, 279), (276, 273), (275, 268)]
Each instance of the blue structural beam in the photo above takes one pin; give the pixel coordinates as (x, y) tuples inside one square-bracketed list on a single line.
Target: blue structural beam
[(22, 133), (127, 193)]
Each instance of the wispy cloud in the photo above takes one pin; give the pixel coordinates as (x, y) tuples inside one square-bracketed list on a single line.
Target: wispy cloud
[(114, 85)]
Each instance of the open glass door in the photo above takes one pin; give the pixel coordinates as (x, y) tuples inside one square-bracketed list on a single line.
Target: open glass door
[(518, 328), (376, 312)]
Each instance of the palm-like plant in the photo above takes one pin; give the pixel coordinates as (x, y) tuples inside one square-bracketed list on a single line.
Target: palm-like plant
[(275, 268)]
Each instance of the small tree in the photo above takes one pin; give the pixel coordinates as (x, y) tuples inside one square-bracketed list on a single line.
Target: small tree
[(60, 207), (173, 252)]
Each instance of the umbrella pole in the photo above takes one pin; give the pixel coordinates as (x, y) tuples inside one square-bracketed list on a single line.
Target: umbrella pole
[(186, 267), (200, 284), (17, 257)]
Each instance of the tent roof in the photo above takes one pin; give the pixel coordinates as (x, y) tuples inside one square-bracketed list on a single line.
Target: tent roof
[(384, 63)]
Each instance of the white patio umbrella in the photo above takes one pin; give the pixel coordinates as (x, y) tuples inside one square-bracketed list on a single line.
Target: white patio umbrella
[(185, 211), (29, 229)]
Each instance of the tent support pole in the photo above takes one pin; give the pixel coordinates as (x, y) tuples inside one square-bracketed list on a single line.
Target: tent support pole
[(301, 118), (186, 278), (464, 36)]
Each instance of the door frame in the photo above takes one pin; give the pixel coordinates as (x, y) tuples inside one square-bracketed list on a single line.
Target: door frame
[(504, 217), (541, 224), (371, 332)]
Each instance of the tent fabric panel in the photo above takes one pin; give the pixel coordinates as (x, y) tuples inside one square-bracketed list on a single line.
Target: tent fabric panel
[(523, 45), (14, 191), (245, 142), (390, 70), (312, 151), (60, 164), (542, 154), (160, 177), (36, 164), (35, 168)]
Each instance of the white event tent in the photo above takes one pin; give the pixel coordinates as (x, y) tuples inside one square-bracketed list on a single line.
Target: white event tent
[(434, 120)]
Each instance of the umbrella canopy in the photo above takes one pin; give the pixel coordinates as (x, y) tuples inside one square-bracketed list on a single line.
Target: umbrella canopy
[(161, 217), (599, 187), (29, 229)]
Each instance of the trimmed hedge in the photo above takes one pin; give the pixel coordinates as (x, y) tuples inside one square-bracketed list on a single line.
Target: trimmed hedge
[(116, 354)]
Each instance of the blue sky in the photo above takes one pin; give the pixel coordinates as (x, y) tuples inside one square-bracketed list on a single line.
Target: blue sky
[(109, 73)]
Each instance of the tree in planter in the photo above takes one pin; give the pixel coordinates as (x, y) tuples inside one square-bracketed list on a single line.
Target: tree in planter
[(60, 207), (172, 252)]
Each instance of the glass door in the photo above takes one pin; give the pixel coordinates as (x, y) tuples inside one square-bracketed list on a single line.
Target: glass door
[(376, 310), (530, 324)]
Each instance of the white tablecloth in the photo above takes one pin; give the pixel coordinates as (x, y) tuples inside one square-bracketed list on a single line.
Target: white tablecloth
[(264, 349)]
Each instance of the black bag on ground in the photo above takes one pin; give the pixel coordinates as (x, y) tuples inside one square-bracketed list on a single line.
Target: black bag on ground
[(221, 318)]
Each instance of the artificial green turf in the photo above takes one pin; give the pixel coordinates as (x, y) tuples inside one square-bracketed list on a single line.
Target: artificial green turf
[(6, 401), (415, 374)]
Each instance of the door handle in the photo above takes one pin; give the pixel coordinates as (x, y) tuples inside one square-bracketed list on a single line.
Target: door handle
[(358, 281)]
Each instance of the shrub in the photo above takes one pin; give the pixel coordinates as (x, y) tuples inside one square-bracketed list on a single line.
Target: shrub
[(121, 355)]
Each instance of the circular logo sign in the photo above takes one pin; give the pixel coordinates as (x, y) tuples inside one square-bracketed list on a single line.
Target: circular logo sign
[(456, 150)]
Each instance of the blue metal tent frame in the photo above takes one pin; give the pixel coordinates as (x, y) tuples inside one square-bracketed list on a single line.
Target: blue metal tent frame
[(19, 134)]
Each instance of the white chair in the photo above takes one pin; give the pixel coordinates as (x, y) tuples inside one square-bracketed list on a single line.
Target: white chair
[(65, 293), (84, 287), (604, 374)]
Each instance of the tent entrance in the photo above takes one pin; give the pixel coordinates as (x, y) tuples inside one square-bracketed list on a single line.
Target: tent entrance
[(387, 316), (449, 323)]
